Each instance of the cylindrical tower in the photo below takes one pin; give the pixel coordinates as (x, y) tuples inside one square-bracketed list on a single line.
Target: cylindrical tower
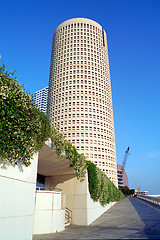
[(80, 100)]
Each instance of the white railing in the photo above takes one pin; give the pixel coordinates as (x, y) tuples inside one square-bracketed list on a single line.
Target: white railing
[(48, 206), (153, 200)]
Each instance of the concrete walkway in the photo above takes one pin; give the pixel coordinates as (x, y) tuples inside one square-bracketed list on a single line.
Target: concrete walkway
[(130, 218)]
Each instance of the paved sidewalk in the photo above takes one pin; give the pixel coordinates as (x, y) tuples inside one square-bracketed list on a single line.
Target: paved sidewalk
[(130, 218)]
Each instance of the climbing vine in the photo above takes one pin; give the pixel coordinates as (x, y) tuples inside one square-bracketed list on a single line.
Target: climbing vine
[(64, 148), (100, 187), (23, 127)]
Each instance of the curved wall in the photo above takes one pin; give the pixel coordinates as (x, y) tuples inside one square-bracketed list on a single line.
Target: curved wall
[(80, 100), (17, 201)]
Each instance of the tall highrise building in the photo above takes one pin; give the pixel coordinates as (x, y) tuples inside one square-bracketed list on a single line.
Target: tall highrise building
[(41, 98), (80, 100)]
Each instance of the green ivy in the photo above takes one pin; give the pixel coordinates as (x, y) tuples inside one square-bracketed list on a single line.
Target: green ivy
[(65, 148), (100, 187), (93, 180), (23, 127)]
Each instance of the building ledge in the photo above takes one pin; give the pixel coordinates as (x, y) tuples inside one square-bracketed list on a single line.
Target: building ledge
[(50, 165)]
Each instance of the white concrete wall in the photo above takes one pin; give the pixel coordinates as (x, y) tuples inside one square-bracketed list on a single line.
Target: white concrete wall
[(78, 200), (95, 209), (49, 217), (17, 201)]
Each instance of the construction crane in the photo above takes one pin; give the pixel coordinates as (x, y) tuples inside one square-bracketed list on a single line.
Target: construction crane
[(125, 157)]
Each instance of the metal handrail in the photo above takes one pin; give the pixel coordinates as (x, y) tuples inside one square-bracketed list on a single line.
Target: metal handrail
[(48, 189), (68, 215)]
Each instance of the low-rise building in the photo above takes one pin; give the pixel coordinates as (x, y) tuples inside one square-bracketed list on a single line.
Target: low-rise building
[(122, 176)]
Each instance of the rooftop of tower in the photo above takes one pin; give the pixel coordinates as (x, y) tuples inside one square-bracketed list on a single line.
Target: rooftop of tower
[(78, 20)]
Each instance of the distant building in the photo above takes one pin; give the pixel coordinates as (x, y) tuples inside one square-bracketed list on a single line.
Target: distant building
[(122, 176), (41, 98), (141, 192)]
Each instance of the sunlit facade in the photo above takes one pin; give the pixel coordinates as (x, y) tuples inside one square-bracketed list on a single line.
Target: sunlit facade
[(80, 99), (122, 176)]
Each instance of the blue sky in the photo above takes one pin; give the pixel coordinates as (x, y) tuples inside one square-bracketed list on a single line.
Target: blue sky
[(133, 30)]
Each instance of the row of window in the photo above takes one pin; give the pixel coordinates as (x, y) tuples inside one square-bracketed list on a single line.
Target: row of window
[(75, 137), (87, 128), (76, 61), (68, 49), (61, 105), (94, 135), (63, 91), (61, 96), (106, 163), (78, 46), (81, 98), (76, 31), (86, 121), (81, 109), (66, 44), (80, 84), (77, 35), (94, 148), (87, 69), (73, 51), (56, 118), (107, 160), (79, 41), (94, 153), (80, 25), (95, 142), (77, 107), (79, 74)]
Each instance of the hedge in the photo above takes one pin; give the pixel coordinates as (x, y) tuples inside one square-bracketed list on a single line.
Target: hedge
[(65, 148), (100, 187), (23, 127)]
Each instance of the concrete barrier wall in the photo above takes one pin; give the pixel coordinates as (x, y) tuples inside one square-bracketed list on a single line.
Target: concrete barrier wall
[(49, 217), (151, 199), (78, 200), (95, 209), (17, 201)]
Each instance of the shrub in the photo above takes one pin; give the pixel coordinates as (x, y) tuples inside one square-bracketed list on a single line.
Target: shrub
[(93, 180), (100, 187), (23, 127), (65, 148)]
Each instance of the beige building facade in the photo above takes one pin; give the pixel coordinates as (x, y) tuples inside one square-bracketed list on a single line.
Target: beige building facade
[(80, 99)]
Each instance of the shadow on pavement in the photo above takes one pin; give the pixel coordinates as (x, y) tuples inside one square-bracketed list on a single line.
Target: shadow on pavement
[(150, 215)]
